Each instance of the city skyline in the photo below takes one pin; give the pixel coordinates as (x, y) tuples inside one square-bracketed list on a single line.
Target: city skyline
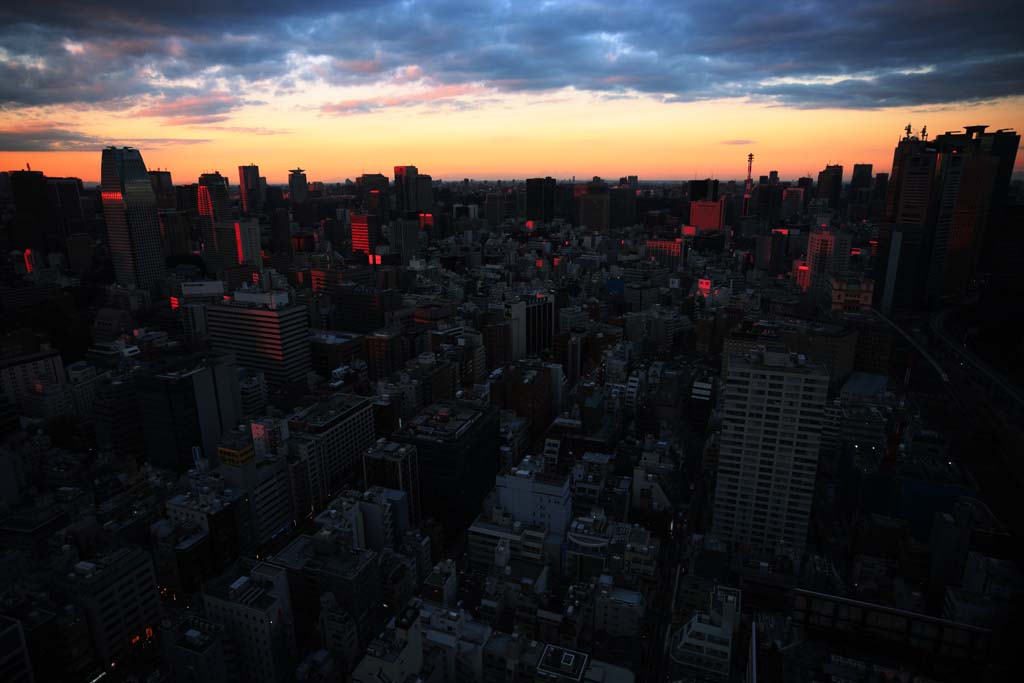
[(558, 89)]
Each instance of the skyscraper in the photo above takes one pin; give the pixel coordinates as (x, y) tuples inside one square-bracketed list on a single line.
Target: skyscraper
[(773, 408), (133, 229), (540, 199), (216, 224), (298, 187), (830, 185), (250, 189), (406, 188)]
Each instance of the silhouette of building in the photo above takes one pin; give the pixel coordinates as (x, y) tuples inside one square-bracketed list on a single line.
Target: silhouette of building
[(133, 228)]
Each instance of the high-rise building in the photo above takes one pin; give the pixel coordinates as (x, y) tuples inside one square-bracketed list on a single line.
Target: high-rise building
[(248, 242), (250, 189), (859, 200), (937, 209), (540, 199), (406, 188), (298, 186), (217, 226), (773, 409), (830, 185), (828, 252), (366, 233), (708, 215), (457, 446), (265, 331), (163, 188), (187, 402), (31, 212), (704, 190), (133, 229), (394, 466)]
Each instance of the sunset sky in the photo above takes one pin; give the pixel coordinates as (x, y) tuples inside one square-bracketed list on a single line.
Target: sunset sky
[(488, 90)]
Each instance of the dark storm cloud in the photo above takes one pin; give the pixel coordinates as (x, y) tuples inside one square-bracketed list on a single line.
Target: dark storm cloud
[(796, 54), (41, 137)]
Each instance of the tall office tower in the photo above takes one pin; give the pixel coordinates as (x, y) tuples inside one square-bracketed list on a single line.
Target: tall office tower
[(595, 206), (769, 203), (924, 209), (256, 613), (406, 188), (250, 189), (265, 331), (539, 322), (133, 229), (64, 196), (807, 185), (404, 237), (773, 177), (1001, 148), (394, 466), (163, 188), (216, 223), (621, 207), (186, 402), (879, 188), (298, 186), (366, 233), (704, 190), (540, 199), (248, 242), (424, 193), (860, 192), (31, 212), (281, 237), (792, 202), (828, 252), (457, 446), (117, 592), (830, 185), (773, 407), (328, 440), (494, 209)]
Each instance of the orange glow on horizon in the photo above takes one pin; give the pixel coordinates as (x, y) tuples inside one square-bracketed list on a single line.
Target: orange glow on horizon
[(515, 136)]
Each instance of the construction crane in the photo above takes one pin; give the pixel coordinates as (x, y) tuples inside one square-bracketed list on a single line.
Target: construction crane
[(749, 186)]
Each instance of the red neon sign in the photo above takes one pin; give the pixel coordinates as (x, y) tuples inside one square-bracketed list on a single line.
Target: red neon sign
[(111, 196)]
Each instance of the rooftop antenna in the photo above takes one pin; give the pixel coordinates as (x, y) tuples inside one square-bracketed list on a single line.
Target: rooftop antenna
[(908, 129), (924, 133), (28, 166)]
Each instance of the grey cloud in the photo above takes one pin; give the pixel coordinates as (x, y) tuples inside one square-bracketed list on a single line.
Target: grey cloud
[(804, 54), (58, 138)]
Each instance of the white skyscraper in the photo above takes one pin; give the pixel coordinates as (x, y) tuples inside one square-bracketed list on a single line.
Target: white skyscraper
[(773, 410)]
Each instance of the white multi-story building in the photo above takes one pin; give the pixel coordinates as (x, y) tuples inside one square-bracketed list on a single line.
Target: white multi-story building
[(772, 417), (534, 497)]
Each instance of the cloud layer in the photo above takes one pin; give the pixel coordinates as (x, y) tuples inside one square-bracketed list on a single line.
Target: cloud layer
[(195, 63)]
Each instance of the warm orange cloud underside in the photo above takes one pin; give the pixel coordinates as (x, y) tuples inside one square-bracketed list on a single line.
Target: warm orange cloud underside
[(488, 136)]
